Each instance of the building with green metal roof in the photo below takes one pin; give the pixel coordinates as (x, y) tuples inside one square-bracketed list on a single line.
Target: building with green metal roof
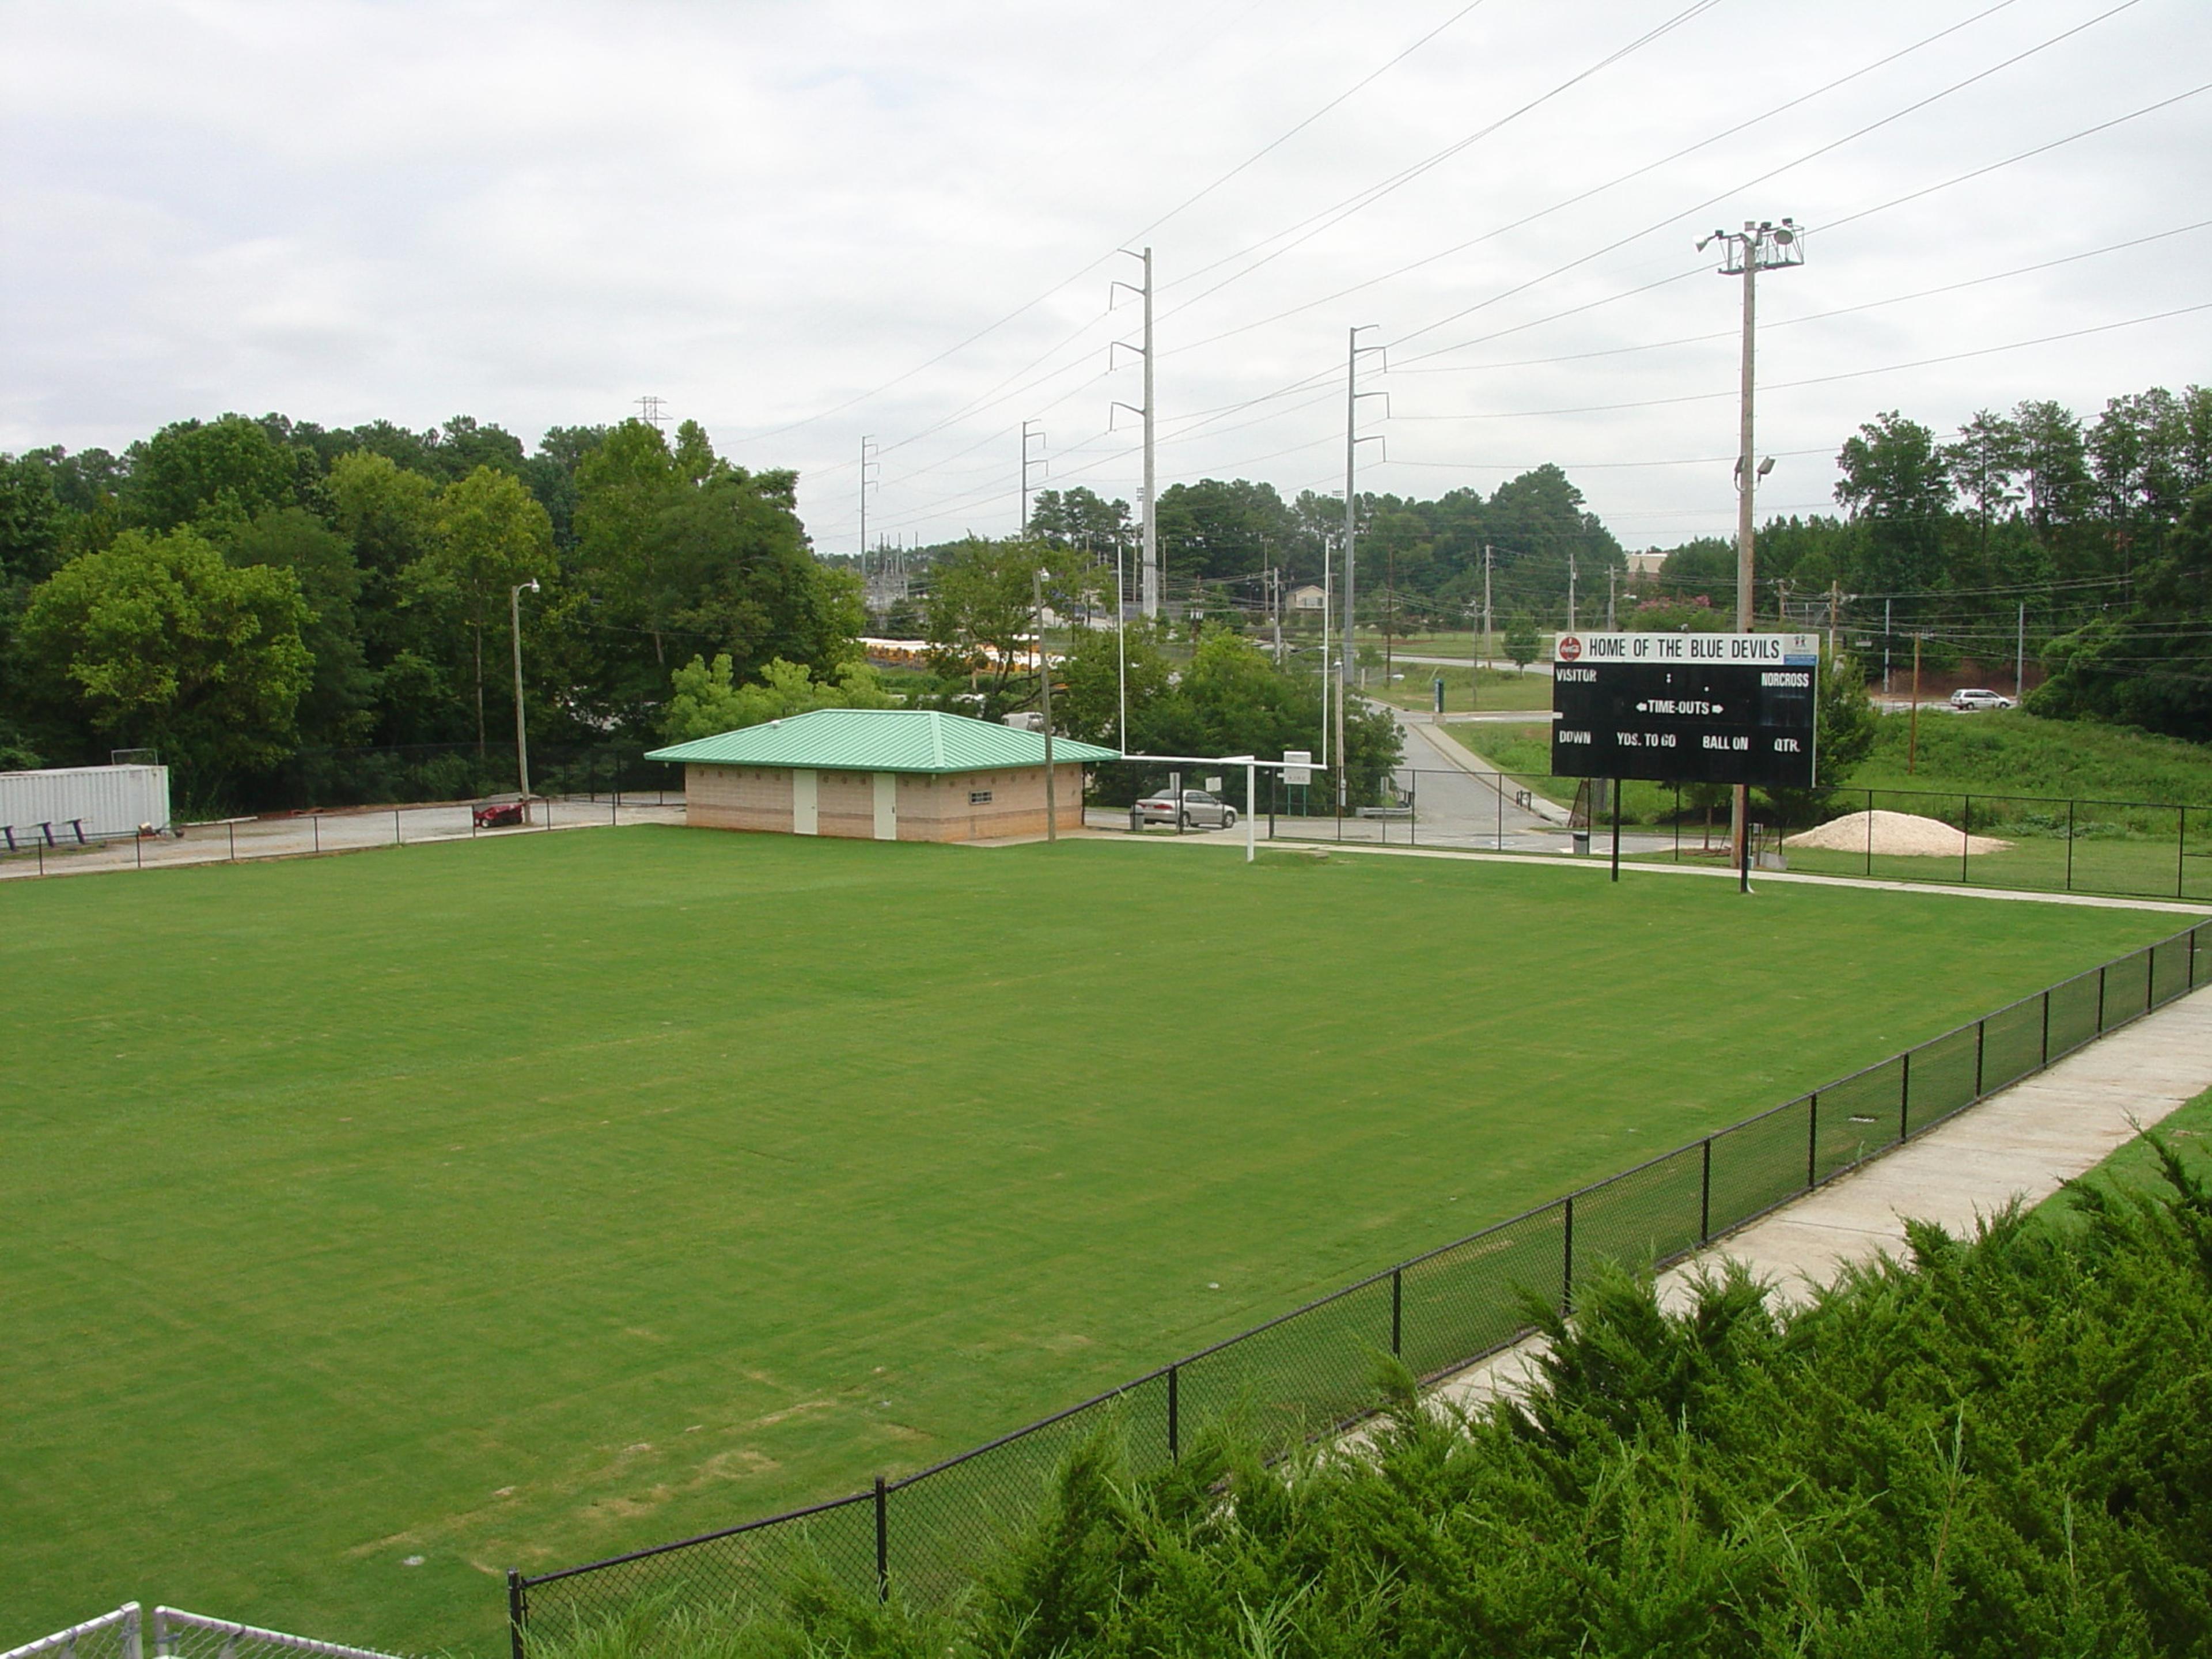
[(882, 774)]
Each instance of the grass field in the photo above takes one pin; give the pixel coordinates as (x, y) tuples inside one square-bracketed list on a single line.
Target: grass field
[(518, 1202), (1497, 688)]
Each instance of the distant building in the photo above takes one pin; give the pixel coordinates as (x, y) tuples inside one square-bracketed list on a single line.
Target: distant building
[(1646, 564), (881, 774), (1308, 597)]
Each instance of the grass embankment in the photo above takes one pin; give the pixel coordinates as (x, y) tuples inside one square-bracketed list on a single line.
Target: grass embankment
[(520, 1202), (1995, 1449)]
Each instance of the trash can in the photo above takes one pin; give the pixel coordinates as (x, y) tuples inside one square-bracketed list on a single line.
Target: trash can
[(1581, 843), (1136, 819)]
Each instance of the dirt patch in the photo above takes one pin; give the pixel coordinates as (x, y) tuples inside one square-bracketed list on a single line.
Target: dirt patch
[(1894, 834)]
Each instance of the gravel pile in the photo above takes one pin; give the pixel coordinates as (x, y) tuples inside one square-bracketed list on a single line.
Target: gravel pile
[(1896, 834)]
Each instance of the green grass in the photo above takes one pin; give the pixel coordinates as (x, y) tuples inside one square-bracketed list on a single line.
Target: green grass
[(516, 1203), (2008, 752), (1497, 688), (2135, 1167)]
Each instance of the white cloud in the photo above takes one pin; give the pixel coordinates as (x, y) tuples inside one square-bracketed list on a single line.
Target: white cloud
[(535, 214)]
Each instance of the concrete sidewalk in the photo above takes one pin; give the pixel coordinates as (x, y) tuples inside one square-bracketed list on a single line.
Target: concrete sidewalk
[(2023, 1142)]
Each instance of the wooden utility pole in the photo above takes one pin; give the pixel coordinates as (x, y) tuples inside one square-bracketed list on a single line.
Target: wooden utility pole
[(1044, 692), (1913, 728)]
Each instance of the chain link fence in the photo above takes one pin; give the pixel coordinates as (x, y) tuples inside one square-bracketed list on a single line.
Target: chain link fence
[(2137, 850), (1312, 1370), (116, 1635)]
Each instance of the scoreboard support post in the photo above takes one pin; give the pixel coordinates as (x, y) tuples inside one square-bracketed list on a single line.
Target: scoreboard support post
[(1616, 829)]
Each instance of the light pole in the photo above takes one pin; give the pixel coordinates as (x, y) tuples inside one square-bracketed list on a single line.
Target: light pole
[(1760, 245), (1044, 696), (521, 733)]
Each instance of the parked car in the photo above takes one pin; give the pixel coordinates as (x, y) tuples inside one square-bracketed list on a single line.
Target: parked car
[(1975, 696), (1200, 810), (500, 815)]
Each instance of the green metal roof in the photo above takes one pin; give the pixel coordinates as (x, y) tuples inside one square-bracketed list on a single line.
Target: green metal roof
[(882, 740)]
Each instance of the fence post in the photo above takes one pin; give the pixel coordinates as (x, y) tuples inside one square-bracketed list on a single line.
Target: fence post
[(883, 1543), (2100, 1001), (2180, 846), (317, 820), (2150, 977), (1904, 1096), (397, 839), (1175, 1425), (1981, 1042), (234, 842), (2069, 843), (1397, 1308), (1705, 1197), (1811, 1139), (2046, 1028), (1965, 836), (1567, 1262), (2192, 958), (517, 1610)]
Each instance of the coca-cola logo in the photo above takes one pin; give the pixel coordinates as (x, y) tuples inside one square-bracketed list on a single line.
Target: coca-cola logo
[(1569, 648)]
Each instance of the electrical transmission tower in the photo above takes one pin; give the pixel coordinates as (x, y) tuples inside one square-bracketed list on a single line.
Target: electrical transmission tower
[(871, 475), (1352, 394), (1149, 572), (653, 410), (1022, 529)]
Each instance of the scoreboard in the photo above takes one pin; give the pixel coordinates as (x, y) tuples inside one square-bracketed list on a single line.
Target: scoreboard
[(1687, 707)]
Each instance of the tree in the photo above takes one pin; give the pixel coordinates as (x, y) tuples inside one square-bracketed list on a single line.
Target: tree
[(1520, 642), (227, 470), (492, 536), (1983, 462), (705, 700), (1078, 518), (336, 707), (981, 615), (157, 642), (623, 487), (1898, 489)]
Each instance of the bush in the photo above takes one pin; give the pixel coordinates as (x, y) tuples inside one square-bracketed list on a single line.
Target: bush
[(1996, 1448)]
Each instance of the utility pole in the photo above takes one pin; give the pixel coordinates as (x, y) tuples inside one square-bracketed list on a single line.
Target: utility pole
[(1352, 394), (1275, 611), (521, 735), (1149, 571), (1912, 727), (1608, 600), (1885, 603), (1835, 594), (1023, 528), (1489, 618), (1044, 693), (2019, 655), (1760, 245), (1571, 574), (871, 472)]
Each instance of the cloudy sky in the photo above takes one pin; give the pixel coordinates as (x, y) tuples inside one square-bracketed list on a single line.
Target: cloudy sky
[(807, 224)]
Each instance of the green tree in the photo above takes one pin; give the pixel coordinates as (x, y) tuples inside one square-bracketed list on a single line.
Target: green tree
[(622, 488), (981, 615), (227, 470), (335, 709), (1520, 643), (1898, 491), (705, 700), (157, 642), (492, 536)]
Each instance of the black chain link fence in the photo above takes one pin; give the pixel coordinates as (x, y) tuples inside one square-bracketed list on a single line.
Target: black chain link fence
[(1311, 1371)]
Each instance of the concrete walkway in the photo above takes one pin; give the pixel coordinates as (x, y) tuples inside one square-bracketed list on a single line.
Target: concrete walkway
[(2022, 1141)]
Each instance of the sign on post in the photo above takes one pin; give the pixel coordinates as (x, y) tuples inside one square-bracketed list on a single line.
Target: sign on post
[(1297, 767), (1687, 707)]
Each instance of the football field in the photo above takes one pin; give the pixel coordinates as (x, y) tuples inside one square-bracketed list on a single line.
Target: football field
[(373, 1223)]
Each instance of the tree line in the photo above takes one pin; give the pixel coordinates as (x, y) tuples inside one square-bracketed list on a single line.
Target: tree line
[(230, 593), (2093, 538)]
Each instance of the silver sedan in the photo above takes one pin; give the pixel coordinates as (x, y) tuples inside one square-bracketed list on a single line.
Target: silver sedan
[(1200, 810)]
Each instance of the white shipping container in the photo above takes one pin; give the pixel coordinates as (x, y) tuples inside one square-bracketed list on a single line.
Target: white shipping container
[(112, 800)]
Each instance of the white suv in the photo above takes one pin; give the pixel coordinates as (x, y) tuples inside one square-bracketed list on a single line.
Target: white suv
[(1976, 697)]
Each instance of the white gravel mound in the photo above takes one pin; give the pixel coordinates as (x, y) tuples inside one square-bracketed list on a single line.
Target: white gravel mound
[(1895, 835)]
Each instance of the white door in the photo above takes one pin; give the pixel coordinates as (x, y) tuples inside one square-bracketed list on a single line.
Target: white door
[(886, 806), (802, 801)]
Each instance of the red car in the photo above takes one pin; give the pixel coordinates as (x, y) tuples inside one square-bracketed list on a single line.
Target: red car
[(500, 815)]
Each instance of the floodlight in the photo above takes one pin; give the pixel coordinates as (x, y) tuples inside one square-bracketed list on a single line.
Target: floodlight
[(1766, 466)]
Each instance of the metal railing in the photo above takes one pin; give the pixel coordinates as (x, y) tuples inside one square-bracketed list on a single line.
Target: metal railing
[(1311, 1370), (178, 1635)]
